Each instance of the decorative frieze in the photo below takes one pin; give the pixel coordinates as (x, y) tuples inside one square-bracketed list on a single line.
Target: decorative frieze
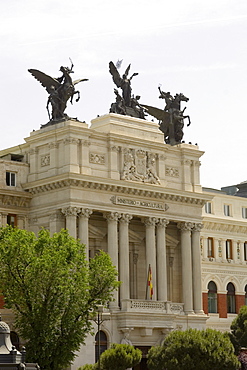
[(172, 171), (97, 158), (45, 160)]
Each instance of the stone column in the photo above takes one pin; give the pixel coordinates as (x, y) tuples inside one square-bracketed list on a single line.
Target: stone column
[(223, 249), (241, 251), (185, 228), (196, 268), (124, 256), (83, 232), (70, 214), (112, 247), (151, 251), (235, 251), (204, 242), (161, 260), (56, 222)]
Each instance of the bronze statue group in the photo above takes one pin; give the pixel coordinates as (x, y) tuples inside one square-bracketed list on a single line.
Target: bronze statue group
[(62, 89)]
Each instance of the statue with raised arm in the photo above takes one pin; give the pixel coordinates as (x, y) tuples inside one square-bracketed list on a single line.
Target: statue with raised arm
[(60, 90), (131, 105), (171, 118)]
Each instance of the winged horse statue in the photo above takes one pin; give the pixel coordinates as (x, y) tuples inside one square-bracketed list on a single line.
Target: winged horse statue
[(60, 90)]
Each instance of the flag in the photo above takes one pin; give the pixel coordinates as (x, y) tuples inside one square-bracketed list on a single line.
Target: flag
[(150, 283), (118, 64)]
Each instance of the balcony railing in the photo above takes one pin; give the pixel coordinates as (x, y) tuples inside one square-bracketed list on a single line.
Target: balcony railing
[(138, 305)]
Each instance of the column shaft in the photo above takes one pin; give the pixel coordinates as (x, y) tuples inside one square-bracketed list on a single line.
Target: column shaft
[(83, 232), (151, 251), (196, 266), (186, 266), (124, 256), (71, 217), (161, 260), (112, 246)]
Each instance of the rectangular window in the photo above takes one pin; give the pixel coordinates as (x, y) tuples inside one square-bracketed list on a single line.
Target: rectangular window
[(227, 211), (12, 220), (210, 247), (244, 212), (10, 178), (208, 207), (228, 249), (245, 251)]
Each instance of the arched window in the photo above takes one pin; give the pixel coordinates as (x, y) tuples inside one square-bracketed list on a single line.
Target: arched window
[(212, 297), (245, 299), (231, 304), (15, 340), (100, 344)]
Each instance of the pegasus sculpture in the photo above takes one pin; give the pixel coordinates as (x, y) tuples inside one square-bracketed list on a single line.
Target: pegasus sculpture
[(60, 90)]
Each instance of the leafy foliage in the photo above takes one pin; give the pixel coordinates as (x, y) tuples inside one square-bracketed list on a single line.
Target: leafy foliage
[(194, 349), (120, 356), (52, 291), (88, 367), (238, 333)]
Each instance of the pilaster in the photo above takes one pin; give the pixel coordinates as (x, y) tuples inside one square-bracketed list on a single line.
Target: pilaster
[(83, 233), (70, 214)]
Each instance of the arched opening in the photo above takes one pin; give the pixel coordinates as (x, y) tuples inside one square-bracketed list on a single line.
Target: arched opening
[(231, 302), (212, 297), (15, 340), (100, 344)]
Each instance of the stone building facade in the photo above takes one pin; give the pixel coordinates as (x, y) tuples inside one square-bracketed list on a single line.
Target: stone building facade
[(116, 186)]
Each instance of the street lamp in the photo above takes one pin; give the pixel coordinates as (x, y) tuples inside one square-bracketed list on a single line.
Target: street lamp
[(99, 319)]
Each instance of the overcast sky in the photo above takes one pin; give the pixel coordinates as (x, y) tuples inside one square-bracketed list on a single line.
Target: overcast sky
[(190, 46)]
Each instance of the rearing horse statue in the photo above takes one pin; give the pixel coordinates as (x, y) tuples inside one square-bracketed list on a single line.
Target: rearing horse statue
[(60, 90)]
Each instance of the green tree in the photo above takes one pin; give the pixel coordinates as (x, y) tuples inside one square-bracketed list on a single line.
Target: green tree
[(194, 349), (88, 367), (53, 291), (238, 333), (120, 357)]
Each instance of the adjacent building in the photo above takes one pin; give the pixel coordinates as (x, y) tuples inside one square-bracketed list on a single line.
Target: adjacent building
[(118, 187)]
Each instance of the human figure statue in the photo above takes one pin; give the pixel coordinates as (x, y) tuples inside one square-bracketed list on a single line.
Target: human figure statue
[(128, 104), (123, 82), (60, 90), (125, 339), (118, 107)]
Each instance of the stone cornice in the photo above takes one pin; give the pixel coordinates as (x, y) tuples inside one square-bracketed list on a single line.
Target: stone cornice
[(118, 187)]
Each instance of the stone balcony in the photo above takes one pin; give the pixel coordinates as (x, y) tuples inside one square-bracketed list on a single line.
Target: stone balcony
[(148, 306)]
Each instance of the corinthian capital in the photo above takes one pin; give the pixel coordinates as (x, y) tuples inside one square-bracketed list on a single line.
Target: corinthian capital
[(125, 218), (150, 221), (162, 222), (70, 211), (197, 227), (85, 212), (112, 216), (185, 226)]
